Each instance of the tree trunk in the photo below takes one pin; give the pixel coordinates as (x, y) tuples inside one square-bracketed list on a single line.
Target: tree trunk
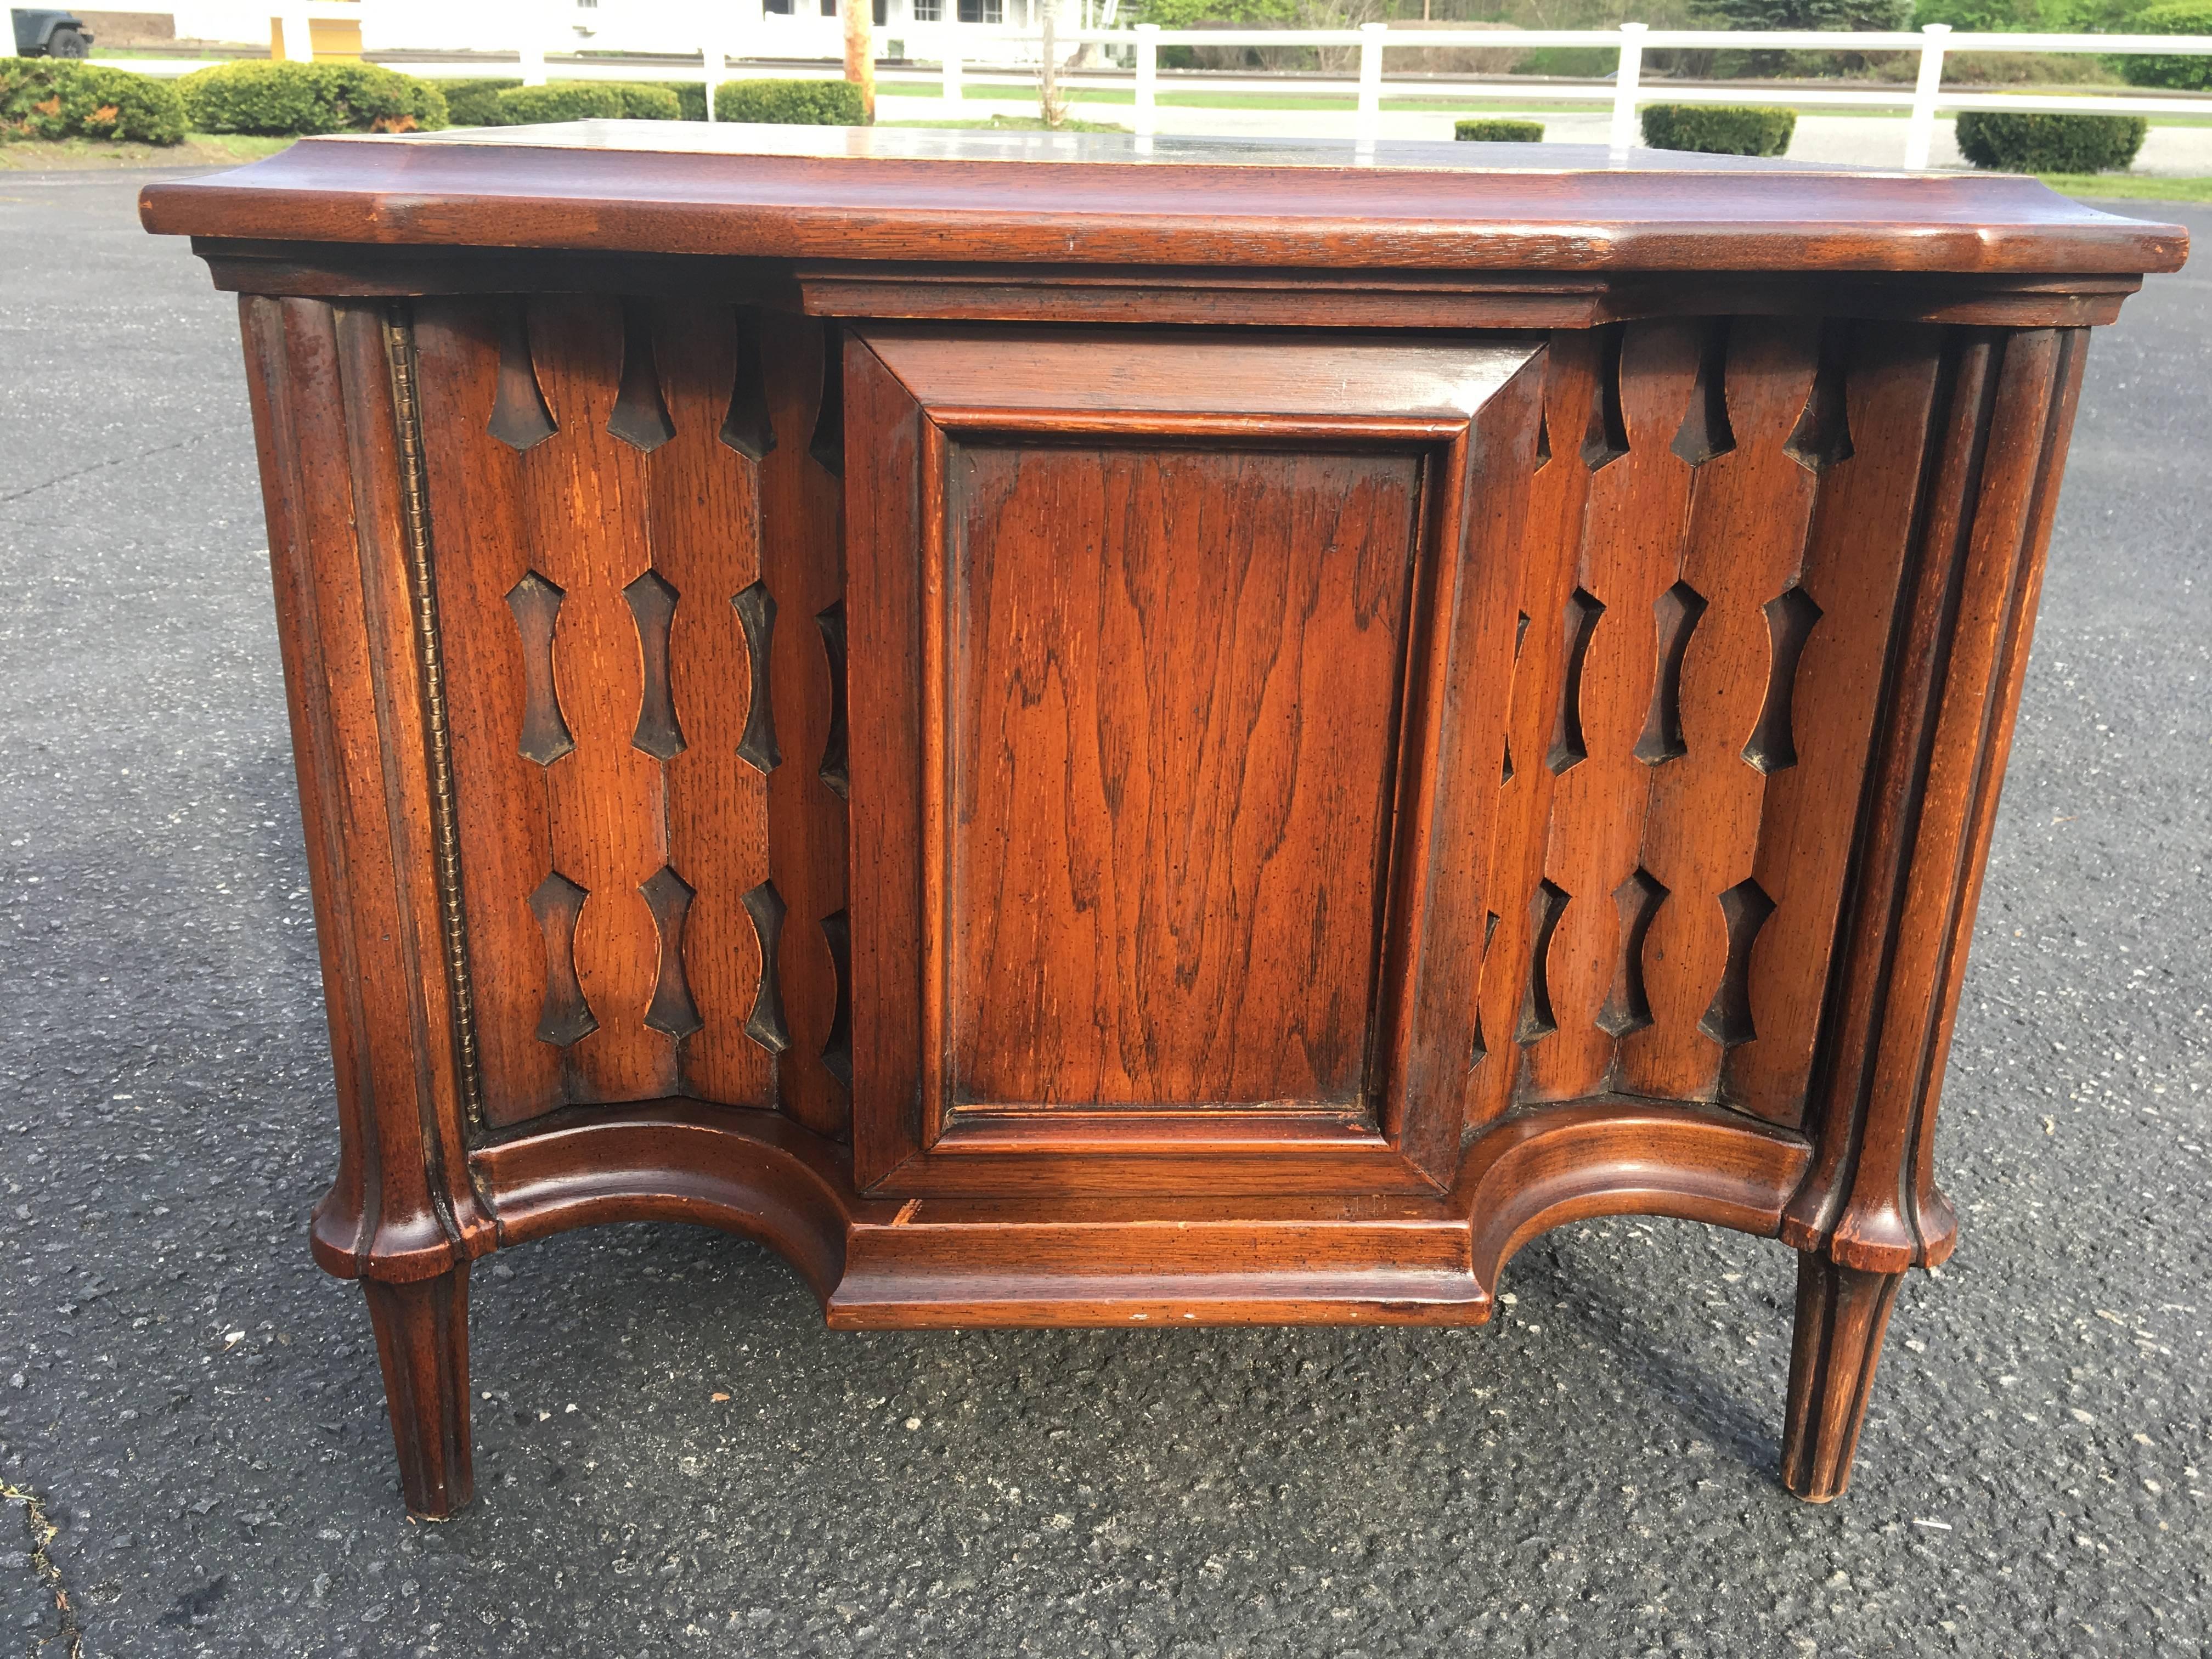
[(860, 53), (1050, 104)]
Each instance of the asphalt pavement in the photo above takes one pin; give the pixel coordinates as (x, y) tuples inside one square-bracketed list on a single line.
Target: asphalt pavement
[(675, 1458)]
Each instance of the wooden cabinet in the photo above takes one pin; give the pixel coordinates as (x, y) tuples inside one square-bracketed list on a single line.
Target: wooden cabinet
[(1078, 733)]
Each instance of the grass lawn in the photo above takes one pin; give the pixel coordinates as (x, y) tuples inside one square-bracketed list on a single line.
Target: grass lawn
[(199, 150), (2130, 187)]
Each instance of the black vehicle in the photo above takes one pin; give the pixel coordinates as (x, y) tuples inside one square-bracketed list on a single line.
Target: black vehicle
[(51, 34)]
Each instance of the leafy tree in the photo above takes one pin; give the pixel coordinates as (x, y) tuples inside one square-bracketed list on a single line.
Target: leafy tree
[(1809, 14)]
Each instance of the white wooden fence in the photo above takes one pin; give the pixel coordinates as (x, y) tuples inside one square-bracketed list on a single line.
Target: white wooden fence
[(956, 49)]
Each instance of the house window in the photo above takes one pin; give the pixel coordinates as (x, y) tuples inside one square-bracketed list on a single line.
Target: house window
[(929, 11), (982, 11), (828, 7), (883, 12), (776, 7)]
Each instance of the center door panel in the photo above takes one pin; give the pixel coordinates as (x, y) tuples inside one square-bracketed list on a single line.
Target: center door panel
[(1177, 671)]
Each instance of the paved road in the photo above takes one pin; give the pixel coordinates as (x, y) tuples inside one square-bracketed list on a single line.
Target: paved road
[(196, 1408)]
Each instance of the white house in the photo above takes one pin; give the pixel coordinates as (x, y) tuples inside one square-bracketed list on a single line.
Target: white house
[(747, 28)]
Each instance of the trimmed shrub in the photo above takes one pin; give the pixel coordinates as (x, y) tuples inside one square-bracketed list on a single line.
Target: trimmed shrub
[(2049, 144), (1719, 129), (641, 101), (564, 101), (63, 98), (2176, 17), (286, 99), (1497, 132), (795, 103), (691, 100), (474, 103)]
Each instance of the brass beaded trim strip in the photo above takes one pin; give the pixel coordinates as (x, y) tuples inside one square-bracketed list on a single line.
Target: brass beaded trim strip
[(407, 412)]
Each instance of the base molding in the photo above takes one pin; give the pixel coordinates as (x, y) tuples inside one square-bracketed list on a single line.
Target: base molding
[(1049, 1259)]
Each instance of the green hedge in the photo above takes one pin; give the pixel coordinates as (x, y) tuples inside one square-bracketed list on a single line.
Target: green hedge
[(478, 103), (1719, 129), (798, 103), (1498, 131), (63, 98), (643, 101), (2049, 144), (258, 95), (566, 100), (2176, 17), (474, 103)]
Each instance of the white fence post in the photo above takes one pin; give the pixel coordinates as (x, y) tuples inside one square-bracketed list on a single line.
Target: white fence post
[(1370, 119), (951, 52), (299, 34), (531, 51), (1624, 89), (1147, 121), (1920, 129), (714, 67)]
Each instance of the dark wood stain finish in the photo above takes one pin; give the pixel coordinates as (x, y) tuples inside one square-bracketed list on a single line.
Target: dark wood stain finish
[(1209, 738)]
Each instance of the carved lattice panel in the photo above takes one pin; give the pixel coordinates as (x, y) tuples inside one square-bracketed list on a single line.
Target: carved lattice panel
[(631, 545), (1728, 505)]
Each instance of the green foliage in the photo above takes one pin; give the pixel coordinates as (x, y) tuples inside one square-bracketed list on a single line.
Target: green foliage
[(2176, 17), (641, 101), (65, 98), (2049, 144), (1577, 63), (480, 103), (691, 100), (2029, 16), (1219, 13), (475, 103), (563, 100), (1498, 131), (1809, 14), (1719, 129), (261, 96), (796, 103)]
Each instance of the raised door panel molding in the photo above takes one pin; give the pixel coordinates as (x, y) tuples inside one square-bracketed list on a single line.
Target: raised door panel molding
[(1169, 664)]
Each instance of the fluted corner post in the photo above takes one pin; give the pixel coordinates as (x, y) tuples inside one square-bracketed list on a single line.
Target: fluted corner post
[(332, 387), (1869, 1207)]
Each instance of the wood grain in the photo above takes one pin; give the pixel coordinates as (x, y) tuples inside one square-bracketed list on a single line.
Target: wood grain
[(1176, 679), (1138, 892), (803, 563), (1248, 820), (474, 485), (1744, 538), (703, 518), (806, 196)]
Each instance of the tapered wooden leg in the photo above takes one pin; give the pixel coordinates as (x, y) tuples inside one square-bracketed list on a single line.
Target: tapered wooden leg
[(422, 1343), (1841, 1316)]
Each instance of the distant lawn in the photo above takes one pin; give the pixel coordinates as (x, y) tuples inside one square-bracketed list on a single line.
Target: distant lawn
[(199, 150), (2130, 187), (1530, 101), (1010, 123)]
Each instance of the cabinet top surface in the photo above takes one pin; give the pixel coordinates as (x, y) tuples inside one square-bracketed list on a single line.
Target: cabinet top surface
[(953, 196)]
